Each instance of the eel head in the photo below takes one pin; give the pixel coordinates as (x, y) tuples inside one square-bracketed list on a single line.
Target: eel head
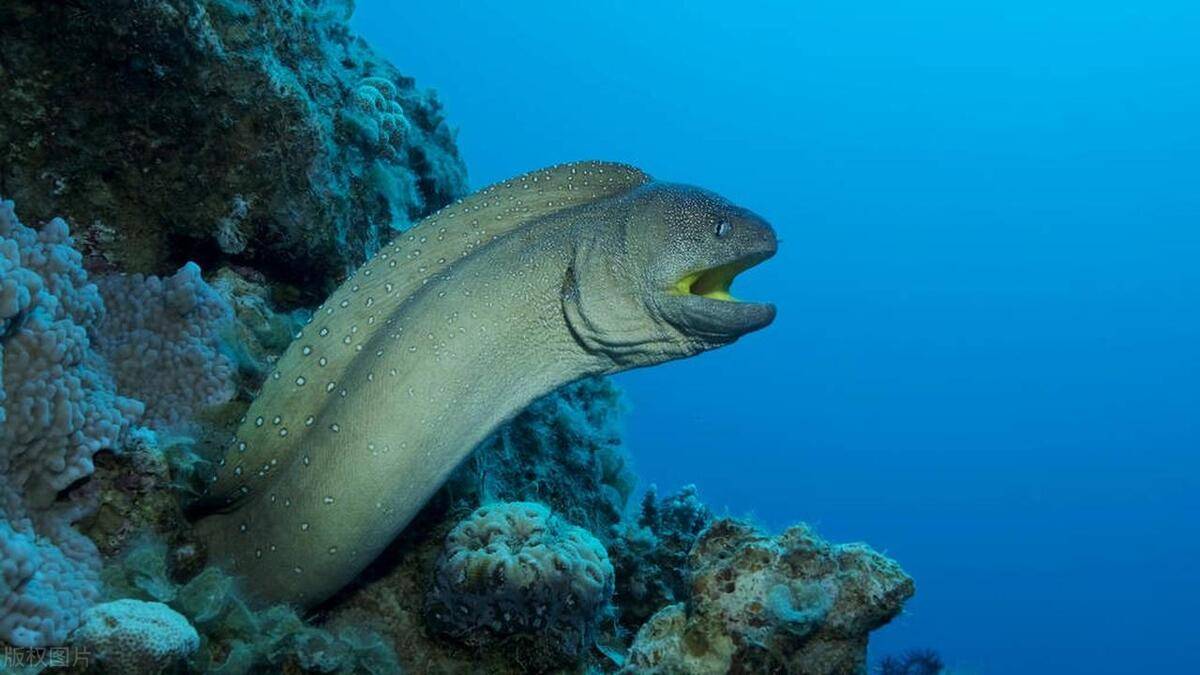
[(663, 291)]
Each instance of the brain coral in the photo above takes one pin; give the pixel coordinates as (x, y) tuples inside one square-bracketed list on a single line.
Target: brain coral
[(513, 569), (262, 133), (58, 407), (133, 636)]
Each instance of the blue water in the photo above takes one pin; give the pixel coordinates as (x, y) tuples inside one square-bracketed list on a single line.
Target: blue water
[(987, 356)]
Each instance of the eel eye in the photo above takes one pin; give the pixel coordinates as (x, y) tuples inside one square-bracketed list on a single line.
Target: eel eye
[(723, 227)]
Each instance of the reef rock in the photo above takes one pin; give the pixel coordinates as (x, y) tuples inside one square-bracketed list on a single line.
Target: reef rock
[(789, 604), (132, 636), (264, 133)]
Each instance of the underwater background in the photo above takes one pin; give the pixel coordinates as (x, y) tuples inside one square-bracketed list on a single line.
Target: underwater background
[(985, 362), (984, 366)]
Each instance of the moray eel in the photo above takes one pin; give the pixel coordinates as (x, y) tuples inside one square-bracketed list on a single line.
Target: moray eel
[(451, 330)]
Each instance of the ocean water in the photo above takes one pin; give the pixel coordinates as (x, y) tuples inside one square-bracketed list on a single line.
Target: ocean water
[(987, 357)]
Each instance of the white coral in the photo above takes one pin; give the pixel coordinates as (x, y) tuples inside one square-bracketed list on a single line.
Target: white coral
[(132, 636)]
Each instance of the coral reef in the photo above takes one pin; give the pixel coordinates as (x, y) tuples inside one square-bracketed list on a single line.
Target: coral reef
[(264, 133), (821, 600), (792, 603), (515, 569), (62, 411), (58, 407), (564, 452), (701, 595), (267, 142), (132, 636)]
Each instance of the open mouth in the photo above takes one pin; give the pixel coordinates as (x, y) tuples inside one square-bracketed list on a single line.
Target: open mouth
[(714, 283)]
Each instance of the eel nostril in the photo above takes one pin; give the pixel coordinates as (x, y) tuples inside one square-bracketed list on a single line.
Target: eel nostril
[(723, 227)]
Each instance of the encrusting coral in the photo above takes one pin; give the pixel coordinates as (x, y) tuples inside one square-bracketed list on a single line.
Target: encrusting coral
[(515, 569), (262, 133), (161, 338)]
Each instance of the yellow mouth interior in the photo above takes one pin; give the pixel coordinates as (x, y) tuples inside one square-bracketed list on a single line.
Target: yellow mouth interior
[(711, 283)]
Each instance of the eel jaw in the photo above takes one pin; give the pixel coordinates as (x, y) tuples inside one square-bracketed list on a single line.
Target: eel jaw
[(700, 303), (714, 282)]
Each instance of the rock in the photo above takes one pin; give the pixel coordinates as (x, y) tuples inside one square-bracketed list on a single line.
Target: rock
[(216, 131), (789, 604)]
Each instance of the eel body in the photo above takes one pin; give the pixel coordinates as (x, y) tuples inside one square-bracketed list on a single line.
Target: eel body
[(449, 331)]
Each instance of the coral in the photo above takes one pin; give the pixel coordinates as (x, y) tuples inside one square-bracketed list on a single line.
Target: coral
[(915, 662), (513, 569), (259, 332), (132, 636), (263, 133), (59, 407), (161, 338), (793, 603), (62, 409), (233, 636), (60, 404), (651, 554), (376, 116), (48, 577)]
